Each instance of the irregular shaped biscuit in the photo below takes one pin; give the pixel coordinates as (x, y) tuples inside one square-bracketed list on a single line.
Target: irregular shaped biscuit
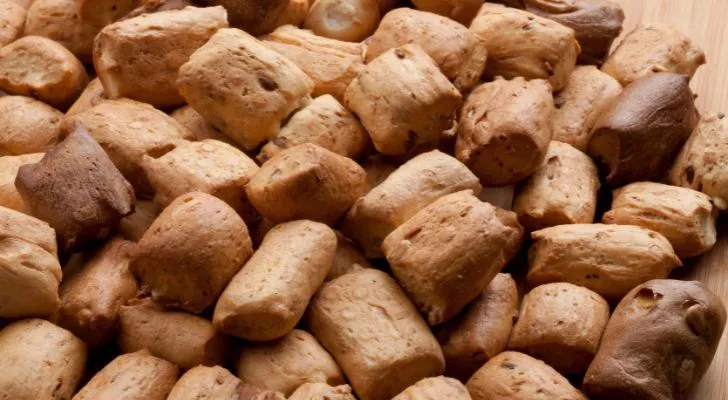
[(242, 87), (608, 259), (652, 49), (76, 172), (162, 42)]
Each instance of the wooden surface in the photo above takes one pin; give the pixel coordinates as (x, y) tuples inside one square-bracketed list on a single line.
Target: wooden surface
[(705, 22)]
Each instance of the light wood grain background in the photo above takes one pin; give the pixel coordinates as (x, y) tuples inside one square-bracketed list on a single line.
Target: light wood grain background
[(706, 22)]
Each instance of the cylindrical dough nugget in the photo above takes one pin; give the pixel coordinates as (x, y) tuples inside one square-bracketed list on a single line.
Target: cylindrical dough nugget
[(349, 20), (516, 376), (331, 64), (306, 182), (684, 216), (39, 361), (196, 124), (435, 389), (608, 259), (208, 383), (462, 11), (460, 54), (651, 49), (505, 129), (562, 325), (482, 329), (323, 122), (135, 376), (39, 67), (703, 162), (208, 166), (191, 251), (14, 224), (242, 87), (127, 130), (561, 191), (268, 297), (294, 14), (91, 96), (9, 166), (578, 105), (12, 20), (348, 258), (322, 391), (520, 43), (104, 12), (659, 342), (28, 125), (29, 279), (90, 299), (374, 333), (407, 190), (285, 364), (162, 42), (447, 253), (403, 100), (638, 135), (178, 337)]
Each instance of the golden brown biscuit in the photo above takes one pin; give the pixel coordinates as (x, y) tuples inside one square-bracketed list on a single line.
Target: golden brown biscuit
[(331, 64), (127, 130), (178, 337), (361, 318), (447, 253), (702, 164), (435, 388), (91, 298), (520, 43), (407, 190), (562, 325), (587, 92), (191, 251), (306, 182), (39, 67), (684, 216), (323, 122), (652, 49), (162, 42), (12, 21), (516, 376), (268, 87), (132, 376), (208, 166), (285, 364), (481, 330), (608, 259), (403, 100), (460, 54), (505, 129), (210, 383), (29, 125), (268, 297), (39, 361), (561, 191)]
